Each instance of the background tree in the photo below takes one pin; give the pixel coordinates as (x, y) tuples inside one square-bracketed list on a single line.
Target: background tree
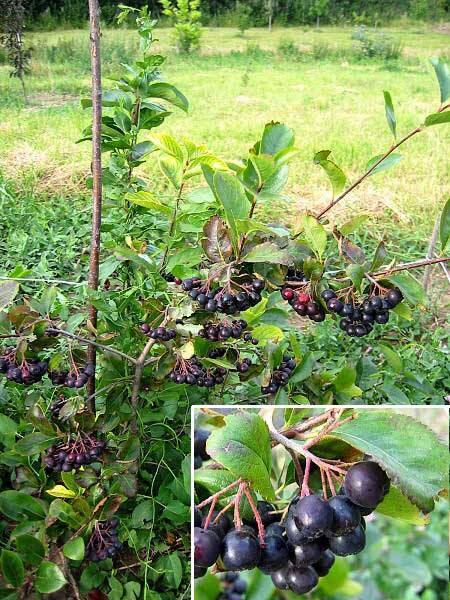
[(12, 24)]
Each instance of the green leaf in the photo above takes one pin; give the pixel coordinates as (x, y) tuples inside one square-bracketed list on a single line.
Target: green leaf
[(444, 226), (394, 394), (173, 570), (390, 114), (276, 137), (304, 369), (389, 439), (397, 506), (410, 287), (34, 443), (267, 252), (59, 491), (231, 196), (18, 506), (74, 549), (389, 162), (207, 588), (379, 258), (167, 144), (215, 480), (393, 359), (30, 549), (140, 150), (147, 200), (267, 333), (172, 169), (344, 383), (443, 75), (8, 430), (437, 118), (243, 447), (168, 92), (335, 174), (8, 291), (49, 578), (12, 568), (356, 273), (403, 311), (313, 234), (352, 225)]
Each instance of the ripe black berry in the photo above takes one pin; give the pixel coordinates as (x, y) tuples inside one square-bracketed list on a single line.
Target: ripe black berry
[(366, 484), (307, 553), (301, 580), (293, 533), (280, 376), (313, 516), (206, 547), (274, 554), (323, 565), (240, 551), (351, 543), (394, 297), (103, 542), (346, 515), (327, 295), (279, 578)]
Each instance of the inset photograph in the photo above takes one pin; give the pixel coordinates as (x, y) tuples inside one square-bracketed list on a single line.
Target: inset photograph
[(330, 504)]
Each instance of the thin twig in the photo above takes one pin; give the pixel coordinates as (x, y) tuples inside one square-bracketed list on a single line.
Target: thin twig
[(256, 514), (412, 265), (430, 253), (35, 280), (92, 343), (220, 493)]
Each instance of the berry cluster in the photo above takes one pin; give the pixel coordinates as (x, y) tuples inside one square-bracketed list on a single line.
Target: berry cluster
[(280, 376), (359, 319), (75, 378), (303, 304), (221, 332), (74, 453), (233, 586), (244, 365), (27, 372), (224, 300), (103, 542), (159, 333), (296, 553), (192, 372), (200, 454), (56, 406)]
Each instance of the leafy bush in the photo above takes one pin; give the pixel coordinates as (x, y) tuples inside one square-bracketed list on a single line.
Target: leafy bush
[(243, 16), (376, 44), (405, 554), (186, 19)]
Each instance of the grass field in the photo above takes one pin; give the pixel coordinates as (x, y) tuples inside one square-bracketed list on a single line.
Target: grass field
[(237, 84)]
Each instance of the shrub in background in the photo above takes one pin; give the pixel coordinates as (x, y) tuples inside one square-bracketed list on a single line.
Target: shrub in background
[(186, 18)]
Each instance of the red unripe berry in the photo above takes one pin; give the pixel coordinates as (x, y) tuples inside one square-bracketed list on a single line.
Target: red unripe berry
[(303, 298), (287, 293), (177, 281)]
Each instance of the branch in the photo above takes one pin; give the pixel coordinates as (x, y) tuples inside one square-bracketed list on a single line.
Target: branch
[(366, 174), (412, 265), (93, 279), (92, 343), (174, 217)]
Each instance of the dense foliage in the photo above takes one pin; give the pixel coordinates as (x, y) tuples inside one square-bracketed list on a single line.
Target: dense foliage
[(225, 12), (103, 477)]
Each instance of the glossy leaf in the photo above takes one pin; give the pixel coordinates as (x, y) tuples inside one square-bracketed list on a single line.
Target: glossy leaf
[(49, 578), (147, 200), (267, 252), (389, 438), (34, 443), (17, 506), (443, 75), (12, 568), (313, 234), (437, 118), (276, 137), (344, 383), (74, 549), (390, 114), (389, 162), (168, 92), (30, 549), (335, 174), (243, 447), (398, 506), (167, 144), (380, 257), (410, 287), (231, 196)]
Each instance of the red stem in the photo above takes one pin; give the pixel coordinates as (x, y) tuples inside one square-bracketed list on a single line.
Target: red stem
[(256, 514)]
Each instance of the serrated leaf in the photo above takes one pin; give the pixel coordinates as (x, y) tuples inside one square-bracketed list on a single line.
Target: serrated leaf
[(390, 114), (444, 225), (437, 118), (335, 174), (389, 438), (49, 578), (276, 137), (443, 75), (30, 549), (217, 242), (389, 162), (397, 506), (74, 549), (8, 291), (243, 447), (266, 333), (12, 568), (267, 252), (313, 234), (167, 144)]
